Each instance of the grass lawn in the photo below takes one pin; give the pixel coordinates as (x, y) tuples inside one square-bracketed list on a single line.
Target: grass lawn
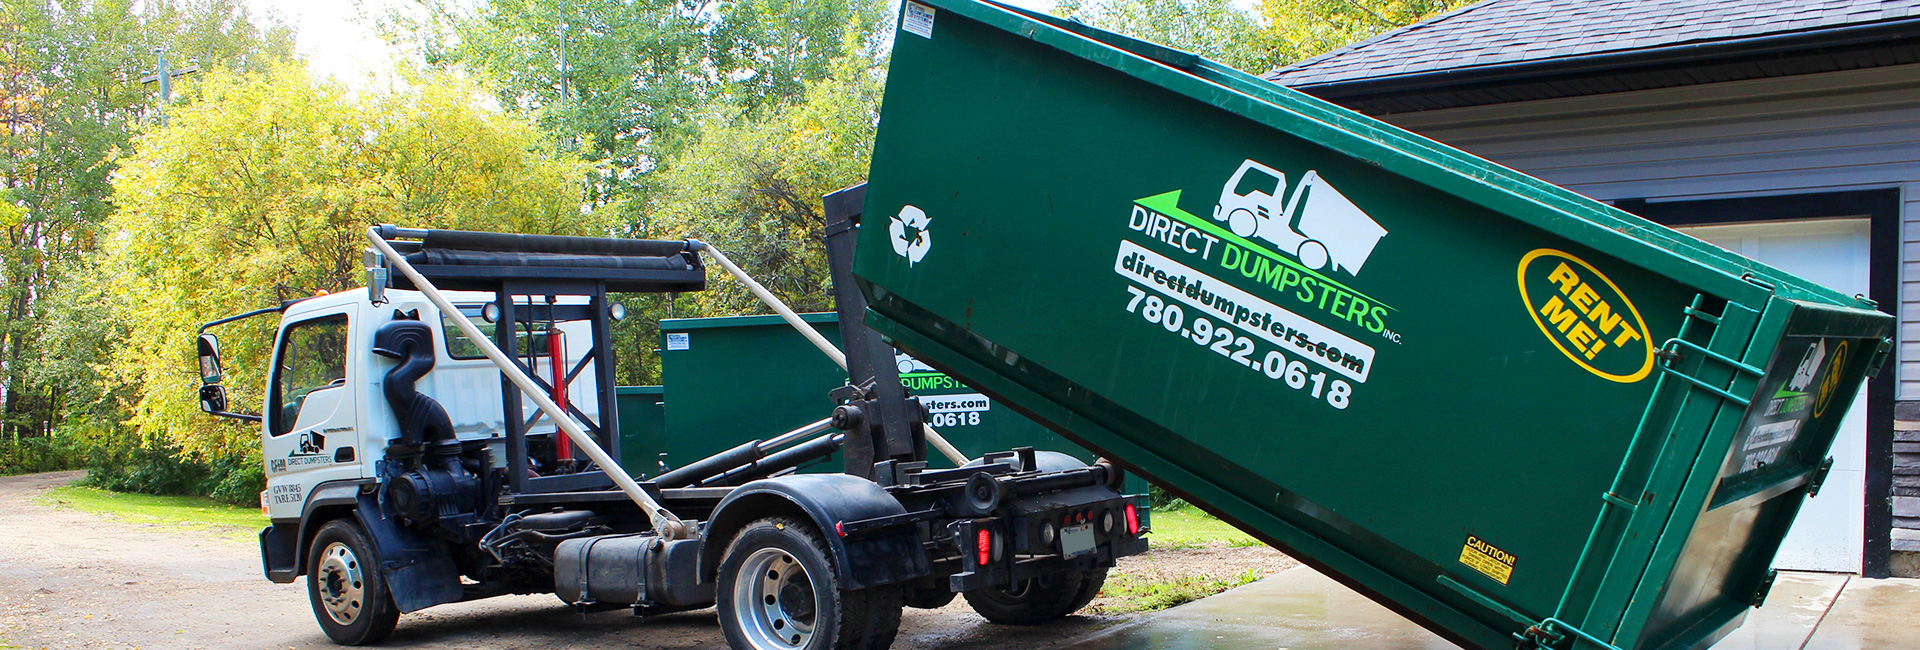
[(1185, 526), (193, 513), (1130, 593)]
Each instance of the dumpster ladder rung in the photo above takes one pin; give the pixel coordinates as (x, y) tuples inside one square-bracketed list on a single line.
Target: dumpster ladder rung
[(1671, 351)]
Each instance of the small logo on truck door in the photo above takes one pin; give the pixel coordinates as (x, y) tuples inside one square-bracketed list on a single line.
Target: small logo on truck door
[(1585, 315)]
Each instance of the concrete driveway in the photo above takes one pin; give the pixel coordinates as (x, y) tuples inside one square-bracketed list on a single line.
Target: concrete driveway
[(1300, 609)]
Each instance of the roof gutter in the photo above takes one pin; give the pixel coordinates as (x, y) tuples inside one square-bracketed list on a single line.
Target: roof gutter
[(1609, 62)]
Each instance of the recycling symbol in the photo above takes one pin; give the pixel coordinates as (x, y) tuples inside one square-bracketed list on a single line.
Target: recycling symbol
[(909, 231)]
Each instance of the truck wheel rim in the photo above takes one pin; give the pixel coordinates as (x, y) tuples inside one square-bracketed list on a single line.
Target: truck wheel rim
[(773, 600), (341, 584)]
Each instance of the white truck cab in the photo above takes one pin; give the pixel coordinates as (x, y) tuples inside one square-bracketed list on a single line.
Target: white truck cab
[(325, 418)]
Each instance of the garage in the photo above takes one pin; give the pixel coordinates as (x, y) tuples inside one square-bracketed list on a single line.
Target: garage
[(1833, 252)]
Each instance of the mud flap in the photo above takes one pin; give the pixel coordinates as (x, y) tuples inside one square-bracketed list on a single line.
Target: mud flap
[(419, 570)]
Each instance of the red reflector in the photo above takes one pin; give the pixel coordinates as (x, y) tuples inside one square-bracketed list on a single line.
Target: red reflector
[(985, 546), (840, 527), (1133, 520)]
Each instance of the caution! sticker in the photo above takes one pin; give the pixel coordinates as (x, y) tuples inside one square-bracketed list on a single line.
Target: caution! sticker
[(1488, 560), (1585, 315)]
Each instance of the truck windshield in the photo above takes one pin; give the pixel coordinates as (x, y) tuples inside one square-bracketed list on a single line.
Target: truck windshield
[(313, 356), (461, 347)]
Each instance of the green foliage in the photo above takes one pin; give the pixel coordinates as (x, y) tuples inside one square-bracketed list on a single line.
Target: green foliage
[(1126, 593), (1306, 28), (638, 75), (260, 190), (1185, 526), (70, 97), (1279, 33), (41, 454), (1216, 29), (752, 187)]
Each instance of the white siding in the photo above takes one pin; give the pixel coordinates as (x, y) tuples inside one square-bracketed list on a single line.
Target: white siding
[(1828, 132)]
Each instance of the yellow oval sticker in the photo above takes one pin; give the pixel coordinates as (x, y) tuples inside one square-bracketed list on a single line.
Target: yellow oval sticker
[(1835, 365), (1585, 315)]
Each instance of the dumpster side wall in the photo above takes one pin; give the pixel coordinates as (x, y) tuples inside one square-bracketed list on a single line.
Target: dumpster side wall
[(1842, 132)]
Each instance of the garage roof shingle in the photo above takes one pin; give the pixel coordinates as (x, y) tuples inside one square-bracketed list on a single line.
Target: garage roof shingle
[(1500, 32)]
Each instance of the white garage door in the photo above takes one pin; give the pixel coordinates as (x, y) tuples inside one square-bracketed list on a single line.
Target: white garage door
[(1832, 252)]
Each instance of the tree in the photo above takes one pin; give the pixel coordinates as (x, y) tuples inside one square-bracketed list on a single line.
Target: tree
[(637, 74), (1216, 29), (752, 186), (260, 189), (1307, 28), (70, 98), (1279, 33)]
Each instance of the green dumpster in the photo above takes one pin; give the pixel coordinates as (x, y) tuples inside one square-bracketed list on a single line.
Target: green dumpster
[(736, 378), (1508, 412), (643, 427)]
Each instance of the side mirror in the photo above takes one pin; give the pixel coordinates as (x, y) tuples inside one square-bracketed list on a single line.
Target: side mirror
[(210, 374), (213, 399)]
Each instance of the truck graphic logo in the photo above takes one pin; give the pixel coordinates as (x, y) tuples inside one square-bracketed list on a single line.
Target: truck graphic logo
[(1809, 366), (1317, 224), (909, 364), (311, 442), (909, 232)]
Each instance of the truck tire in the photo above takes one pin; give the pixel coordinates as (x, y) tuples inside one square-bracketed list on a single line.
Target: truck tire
[(349, 596), (777, 590), (1091, 582), (1037, 600)]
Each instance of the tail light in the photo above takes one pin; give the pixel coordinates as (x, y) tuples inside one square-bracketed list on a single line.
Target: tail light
[(1133, 520), (984, 545), (263, 504)]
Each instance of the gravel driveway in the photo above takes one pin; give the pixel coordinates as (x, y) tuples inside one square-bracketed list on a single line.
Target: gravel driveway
[(71, 579)]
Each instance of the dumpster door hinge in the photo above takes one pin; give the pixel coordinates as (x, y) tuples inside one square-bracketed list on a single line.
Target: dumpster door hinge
[(1766, 585), (1819, 477), (1880, 356)]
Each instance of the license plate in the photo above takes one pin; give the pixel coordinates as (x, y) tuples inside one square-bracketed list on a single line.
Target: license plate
[(1076, 541)]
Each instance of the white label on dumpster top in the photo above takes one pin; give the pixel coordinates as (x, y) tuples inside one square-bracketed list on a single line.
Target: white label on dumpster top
[(679, 341), (1228, 304), (918, 20)]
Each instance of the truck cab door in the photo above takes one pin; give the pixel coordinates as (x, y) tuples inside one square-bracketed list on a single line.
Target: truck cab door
[(309, 424)]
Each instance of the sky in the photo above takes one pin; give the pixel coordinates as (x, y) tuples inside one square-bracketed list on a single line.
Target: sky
[(339, 43), (336, 41)]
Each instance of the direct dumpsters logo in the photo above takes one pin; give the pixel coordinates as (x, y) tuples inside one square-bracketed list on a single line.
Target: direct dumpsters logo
[(1585, 315)]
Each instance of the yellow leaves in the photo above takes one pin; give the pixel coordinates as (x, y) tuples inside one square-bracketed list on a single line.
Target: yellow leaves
[(11, 215), (257, 191)]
